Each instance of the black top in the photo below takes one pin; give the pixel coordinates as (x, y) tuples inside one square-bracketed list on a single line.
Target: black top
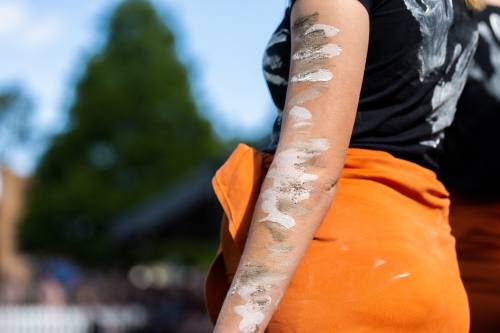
[(418, 55), (471, 159)]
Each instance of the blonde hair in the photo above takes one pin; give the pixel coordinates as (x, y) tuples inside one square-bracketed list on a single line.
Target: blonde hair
[(475, 5)]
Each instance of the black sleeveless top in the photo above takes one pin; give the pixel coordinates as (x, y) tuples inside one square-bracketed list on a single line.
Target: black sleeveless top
[(418, 55), (471, 158)]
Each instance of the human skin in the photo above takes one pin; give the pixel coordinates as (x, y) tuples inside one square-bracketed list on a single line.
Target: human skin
[(319, 130), (493, 2)]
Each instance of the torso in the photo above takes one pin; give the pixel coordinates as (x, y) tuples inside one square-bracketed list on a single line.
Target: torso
[(416, 66)]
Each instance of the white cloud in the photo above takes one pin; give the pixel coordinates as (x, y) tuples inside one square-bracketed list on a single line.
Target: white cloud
[(12, 15), (22, 26), (41, 33)]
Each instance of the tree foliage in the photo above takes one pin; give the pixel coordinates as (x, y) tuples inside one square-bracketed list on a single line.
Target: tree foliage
[(134, 130), (16, 122)]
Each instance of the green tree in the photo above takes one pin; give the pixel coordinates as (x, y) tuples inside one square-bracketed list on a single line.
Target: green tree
[(17, 131), (134, 130)]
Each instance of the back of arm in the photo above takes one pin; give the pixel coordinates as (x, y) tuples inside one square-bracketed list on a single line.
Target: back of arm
[(329, 46)]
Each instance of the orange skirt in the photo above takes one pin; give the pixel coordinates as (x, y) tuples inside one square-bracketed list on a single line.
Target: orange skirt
[(383, 259), (476, 226)]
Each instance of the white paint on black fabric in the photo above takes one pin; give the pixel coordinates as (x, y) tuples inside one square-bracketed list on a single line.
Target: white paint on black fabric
[(275, 79), (273, 62), (495, 24), (490, 83), (279, 37), (435, 18), (446, 94)]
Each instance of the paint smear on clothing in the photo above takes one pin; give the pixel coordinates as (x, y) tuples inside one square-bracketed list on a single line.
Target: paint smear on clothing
[(279, 37), (275, 79), (273, 62), (321, 75), (378, 263)]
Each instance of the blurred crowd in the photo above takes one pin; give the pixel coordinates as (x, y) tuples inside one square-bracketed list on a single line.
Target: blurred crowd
[(171, 295)]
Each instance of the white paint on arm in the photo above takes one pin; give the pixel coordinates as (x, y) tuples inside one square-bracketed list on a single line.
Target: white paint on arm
[(321, 75), (326, 29), (300, 113), (325, 52)]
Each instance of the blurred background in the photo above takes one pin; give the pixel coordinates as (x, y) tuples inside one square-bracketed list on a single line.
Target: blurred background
[(114, 116)]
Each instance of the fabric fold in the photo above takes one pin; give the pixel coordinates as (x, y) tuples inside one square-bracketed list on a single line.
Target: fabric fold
[(383, 259)]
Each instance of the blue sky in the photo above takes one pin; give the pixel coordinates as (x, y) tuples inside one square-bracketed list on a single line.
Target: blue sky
[(44, 44)]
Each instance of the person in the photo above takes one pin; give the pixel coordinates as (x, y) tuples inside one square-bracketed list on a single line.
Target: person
[(364, 90), (469, 167)]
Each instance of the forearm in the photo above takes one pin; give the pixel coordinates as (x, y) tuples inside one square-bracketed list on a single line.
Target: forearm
[(302, 180), (273, 251)]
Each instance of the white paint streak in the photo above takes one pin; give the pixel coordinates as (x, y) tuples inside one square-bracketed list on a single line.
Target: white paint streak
[(251, 312), (279, 37), (400, 276), (328, 30), (435, 18), (446, 94), (343, 247), (302, 124), (300, 113), (307, 94), (325, 52), (495, 24), (490, 82), (321, 75), (378, 263), (434, 143), (290, 178), (279, 112), (256, 297), (273, 62), (275, 79)]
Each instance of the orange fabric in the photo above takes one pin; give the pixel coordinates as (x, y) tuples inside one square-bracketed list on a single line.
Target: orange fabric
[(383, 259), (476, 226)]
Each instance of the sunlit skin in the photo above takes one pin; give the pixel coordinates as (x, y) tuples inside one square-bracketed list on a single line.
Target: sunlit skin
[(493, 2), (332, 112)]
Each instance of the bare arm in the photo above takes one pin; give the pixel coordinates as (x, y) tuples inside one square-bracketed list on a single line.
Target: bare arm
[(329, 46), (493, 2)]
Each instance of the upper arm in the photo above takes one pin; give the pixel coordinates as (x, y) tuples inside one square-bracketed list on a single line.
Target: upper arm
[(329, 46)]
